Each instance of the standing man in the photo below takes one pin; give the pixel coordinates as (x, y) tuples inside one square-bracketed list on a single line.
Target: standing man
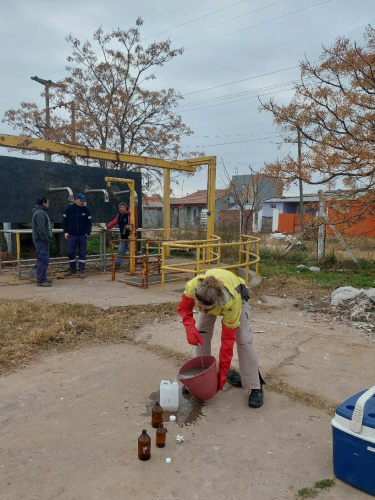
[(122, 219), (42, 233), (77, 227)]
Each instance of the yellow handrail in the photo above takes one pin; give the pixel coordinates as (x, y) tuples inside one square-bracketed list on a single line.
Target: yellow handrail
[(208, 252)]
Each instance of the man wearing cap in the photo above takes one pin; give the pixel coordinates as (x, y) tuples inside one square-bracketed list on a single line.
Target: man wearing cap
[(77, 227)]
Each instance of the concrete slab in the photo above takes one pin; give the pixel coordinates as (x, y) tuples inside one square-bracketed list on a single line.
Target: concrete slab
[(70, 424)]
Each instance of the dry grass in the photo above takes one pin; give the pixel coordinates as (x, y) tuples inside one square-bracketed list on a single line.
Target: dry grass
[(281, 286), (302, 397), (30, 329), (363, 247)]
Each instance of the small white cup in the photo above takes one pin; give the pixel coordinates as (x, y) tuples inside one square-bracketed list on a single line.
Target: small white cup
[(168, 460), (172, 418)]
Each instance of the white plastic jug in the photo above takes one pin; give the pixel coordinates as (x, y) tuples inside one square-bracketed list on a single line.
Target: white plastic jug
[(169, 395)]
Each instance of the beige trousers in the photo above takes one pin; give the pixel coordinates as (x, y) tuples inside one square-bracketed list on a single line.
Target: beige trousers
[(247, 356)]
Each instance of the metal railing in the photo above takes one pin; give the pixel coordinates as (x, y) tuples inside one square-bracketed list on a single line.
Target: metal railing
[(20, 263), (208, 253)]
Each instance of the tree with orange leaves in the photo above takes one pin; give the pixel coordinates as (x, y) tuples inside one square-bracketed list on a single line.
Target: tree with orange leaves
[(334, 110), (114, 108)]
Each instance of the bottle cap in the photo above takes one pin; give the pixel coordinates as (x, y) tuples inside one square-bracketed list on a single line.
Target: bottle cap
[(172, 418), (168, 460)]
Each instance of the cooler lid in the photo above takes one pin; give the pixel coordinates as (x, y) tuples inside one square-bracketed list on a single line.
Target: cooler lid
[(346, 409)]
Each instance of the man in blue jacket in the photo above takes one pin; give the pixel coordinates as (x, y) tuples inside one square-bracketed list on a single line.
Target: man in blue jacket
[(42, 233), (77, 227)]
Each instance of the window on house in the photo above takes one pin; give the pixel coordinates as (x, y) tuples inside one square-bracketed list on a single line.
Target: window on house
[(273, 206), (231, 199)]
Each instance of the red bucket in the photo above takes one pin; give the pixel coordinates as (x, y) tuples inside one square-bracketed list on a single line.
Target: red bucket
[(204, 385)]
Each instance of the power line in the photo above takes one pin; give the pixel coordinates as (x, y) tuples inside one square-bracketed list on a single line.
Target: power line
[(245, 92), (234, 142), (258, 24), (228, 135), (193, 20), (227, 20), (243, 80), (238, 100)]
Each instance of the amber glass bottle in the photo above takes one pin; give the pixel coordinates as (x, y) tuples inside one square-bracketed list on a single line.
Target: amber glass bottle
[(144, 446), (157, 415), (161, 433)]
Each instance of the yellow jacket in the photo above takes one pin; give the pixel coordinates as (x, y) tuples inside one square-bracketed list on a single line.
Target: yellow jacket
[(231, 309)]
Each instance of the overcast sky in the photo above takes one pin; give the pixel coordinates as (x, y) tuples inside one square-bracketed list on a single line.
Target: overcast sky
[(234, 50)]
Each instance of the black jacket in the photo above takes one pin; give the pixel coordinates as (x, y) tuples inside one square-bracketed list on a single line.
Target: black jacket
[(77, 220), (41, 225)]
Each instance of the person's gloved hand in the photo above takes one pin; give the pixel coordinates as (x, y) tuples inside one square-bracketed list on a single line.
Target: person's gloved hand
[(185, 310), (228, 337), (193, 336)]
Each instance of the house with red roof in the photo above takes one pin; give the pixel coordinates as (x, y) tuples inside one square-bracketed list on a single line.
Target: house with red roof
[(189, 211)]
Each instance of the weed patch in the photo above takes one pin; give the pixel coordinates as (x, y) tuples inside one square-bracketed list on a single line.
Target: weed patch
[(28, 330)]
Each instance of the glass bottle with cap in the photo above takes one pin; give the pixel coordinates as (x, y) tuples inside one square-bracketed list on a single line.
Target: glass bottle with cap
[(161, 434), (144, 446), (157, 415)]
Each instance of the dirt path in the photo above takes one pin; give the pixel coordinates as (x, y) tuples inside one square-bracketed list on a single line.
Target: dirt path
[(70, 422)]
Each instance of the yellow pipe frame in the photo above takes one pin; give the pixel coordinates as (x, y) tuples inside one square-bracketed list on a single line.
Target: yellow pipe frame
[(71, 151), (130, 183), (167, 207), (207, 247), (32, 144)]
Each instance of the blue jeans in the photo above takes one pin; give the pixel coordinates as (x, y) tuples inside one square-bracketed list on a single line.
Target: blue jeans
[(122, 249), (79, 240), (42, 255)]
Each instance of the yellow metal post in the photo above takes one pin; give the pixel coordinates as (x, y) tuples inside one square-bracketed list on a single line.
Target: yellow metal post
[(163, 248), (167, 208), (130, 183), (211, 189)]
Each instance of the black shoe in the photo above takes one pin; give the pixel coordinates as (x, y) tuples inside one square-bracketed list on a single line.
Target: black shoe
[(234, 378), (71, 272), (49, 281), (185, 390), (256, 398), (44, 283), (82, 274)]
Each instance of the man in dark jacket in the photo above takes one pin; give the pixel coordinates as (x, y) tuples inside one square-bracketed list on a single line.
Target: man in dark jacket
[(77, 227), (123, 220), (42, 233)]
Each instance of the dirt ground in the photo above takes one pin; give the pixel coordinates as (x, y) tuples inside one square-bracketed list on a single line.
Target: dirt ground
[(70, 422)]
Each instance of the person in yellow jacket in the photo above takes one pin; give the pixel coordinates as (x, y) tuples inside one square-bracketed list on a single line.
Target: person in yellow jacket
[(219, 292)]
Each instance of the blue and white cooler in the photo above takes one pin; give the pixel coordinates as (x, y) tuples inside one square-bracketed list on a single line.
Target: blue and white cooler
[(353, 429)]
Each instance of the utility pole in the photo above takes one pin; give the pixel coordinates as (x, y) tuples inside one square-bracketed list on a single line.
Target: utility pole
[(300, 181), (47, 84)]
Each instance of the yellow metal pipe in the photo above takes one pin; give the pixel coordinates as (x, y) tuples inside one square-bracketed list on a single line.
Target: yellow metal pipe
[(167, 208), (70, 150), (247, 264), (211, 191), (163, 265)]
